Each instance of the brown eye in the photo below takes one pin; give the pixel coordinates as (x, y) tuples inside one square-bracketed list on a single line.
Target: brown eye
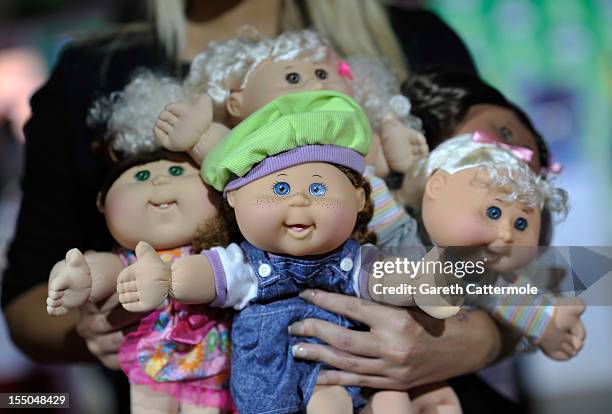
[(506, 134), (293, 78), (321, 74)]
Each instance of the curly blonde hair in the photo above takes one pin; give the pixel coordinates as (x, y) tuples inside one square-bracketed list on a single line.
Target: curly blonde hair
[(226, 66), (498, 168)]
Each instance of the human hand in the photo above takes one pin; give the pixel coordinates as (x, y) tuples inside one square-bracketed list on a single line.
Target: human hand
[(565, 333), (403, 348), (181, 126), (145, 284), (401, 146), (103, 328)]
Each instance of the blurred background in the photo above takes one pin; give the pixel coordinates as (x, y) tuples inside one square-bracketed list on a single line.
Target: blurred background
[(552, 57)]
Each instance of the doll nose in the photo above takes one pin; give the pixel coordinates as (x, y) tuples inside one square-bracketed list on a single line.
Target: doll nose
[(314, 84), (161, 179), (300, 200), (505, 232)]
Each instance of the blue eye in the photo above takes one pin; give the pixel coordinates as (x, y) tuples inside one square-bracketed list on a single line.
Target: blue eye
[(281, 188), (317, 189), (520, 224), (494, 213)]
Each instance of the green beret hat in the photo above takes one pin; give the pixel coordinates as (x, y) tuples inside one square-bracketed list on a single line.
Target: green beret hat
[(321, 118)]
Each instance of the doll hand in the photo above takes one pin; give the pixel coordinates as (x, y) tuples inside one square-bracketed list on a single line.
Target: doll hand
[(144, 285), (69, 284), (402, 146), (565, 334), (180, 126)]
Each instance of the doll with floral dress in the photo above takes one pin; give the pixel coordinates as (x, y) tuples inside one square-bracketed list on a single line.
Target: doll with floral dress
[(178, 358), (291, 175)]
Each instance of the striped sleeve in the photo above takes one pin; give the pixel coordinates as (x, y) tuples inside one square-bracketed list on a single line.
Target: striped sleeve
[(529, 314), (386, 210)]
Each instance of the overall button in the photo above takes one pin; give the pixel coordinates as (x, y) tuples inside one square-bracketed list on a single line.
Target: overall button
[(264, 270), (346, 264)]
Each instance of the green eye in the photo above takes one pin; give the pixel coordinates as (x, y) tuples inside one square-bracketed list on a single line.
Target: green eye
[(176, 170), (142, 175)]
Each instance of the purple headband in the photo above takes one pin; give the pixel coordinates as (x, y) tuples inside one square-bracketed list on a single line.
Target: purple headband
[(308, 153)]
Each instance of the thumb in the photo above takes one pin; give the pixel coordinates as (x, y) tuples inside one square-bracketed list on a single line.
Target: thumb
[(204, 103), (73, 257), (145, 250)]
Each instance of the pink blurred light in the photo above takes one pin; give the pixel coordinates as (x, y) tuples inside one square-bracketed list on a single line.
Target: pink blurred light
[(22, 72)]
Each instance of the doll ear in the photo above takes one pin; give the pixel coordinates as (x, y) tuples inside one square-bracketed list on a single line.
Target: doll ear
[(361, 199), (436, 184), (99, 204), (231, 199), (234, 104)]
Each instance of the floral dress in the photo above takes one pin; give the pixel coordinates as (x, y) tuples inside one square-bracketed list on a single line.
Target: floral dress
[(182, 350)]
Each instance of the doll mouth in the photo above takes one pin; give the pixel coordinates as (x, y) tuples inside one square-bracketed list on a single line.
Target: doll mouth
[(299, 231), (163, 206), (495, 253)]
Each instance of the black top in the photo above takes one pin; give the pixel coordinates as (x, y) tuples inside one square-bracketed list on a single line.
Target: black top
[(62, 176)]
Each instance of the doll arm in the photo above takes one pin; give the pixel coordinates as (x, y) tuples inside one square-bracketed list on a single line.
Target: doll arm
[(189, 127), (80, 278), (389, 280), (147, 283), (552, 324), (105, 268), (564, 335), (401, 145), (387, 212)]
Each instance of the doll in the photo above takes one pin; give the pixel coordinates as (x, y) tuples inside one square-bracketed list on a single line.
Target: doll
[(475, 186), (178, 358), (234, 78), (451, 103), (291, 173), (496, 204)]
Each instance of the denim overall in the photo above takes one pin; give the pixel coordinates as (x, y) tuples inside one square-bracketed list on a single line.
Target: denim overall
[(265, 377)]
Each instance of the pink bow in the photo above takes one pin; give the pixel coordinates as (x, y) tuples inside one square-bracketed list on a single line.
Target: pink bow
[(522, 153), (189, 327), (344, 70), (553, 167)]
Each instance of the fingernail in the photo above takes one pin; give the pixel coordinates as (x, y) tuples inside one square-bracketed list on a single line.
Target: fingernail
[(299, 351), (308, 294), (296, 328)]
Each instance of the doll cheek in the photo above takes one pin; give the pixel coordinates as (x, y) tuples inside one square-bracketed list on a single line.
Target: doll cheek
[(472, 231), (335, 214), (118, 209)]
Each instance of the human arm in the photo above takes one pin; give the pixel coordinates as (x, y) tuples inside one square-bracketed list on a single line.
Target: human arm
[(189, 127), (403, 349), (88, 334), (145, 284), (57, 212)]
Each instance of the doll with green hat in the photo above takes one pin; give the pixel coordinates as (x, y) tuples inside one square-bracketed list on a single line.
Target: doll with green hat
[(291, 175)]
